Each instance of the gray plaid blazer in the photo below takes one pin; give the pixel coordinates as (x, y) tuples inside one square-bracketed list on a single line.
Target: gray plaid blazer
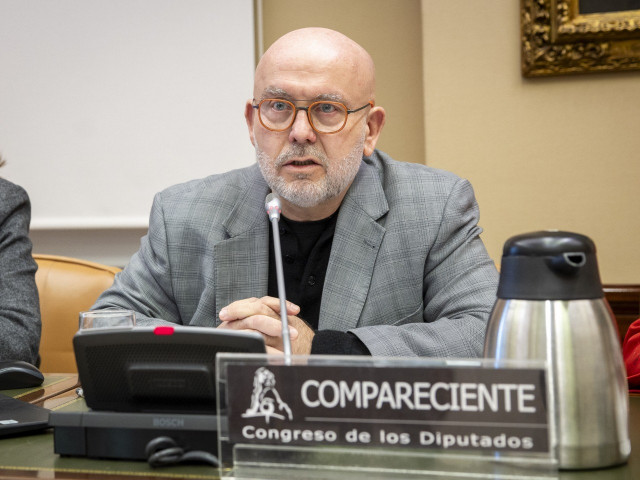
[(408, 273)]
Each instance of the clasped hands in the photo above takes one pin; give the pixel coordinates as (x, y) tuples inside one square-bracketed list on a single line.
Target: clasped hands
[(262, 315)]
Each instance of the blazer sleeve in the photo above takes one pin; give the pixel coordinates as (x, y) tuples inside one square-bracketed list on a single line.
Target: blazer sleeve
[(459, 284), (19, 304), (144, 286)]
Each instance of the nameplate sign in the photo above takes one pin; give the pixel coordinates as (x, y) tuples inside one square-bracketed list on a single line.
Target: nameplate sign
[(449, 408)]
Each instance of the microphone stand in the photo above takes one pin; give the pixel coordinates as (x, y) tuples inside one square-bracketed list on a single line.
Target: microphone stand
[(272, 204)]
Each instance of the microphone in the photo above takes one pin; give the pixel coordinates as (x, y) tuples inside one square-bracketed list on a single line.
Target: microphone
[(273, 208), (272, 205)]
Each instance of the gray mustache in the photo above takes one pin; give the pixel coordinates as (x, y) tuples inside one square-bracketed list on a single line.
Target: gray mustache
[(300, 151)]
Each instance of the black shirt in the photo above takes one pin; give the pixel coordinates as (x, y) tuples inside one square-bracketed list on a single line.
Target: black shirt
[(306, 248)]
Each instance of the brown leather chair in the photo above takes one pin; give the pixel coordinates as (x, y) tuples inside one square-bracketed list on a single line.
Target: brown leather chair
[(66, 287)]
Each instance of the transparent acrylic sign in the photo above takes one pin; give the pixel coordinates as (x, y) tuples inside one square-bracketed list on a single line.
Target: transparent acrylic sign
[(383, 418)]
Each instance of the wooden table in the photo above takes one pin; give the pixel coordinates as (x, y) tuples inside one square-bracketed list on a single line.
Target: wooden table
[(31, 456), (49, 394)]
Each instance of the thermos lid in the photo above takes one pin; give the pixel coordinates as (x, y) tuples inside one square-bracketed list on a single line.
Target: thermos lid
[(549, 265)]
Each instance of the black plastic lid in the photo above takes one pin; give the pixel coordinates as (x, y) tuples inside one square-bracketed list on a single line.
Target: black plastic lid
[(549, 265)]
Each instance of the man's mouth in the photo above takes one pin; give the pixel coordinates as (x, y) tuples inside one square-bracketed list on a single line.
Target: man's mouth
[(300, 163)]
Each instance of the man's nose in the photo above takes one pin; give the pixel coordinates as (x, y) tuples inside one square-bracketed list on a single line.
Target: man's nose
[(301, 130)]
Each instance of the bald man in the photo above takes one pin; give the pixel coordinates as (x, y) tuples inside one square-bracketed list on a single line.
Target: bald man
[(380, 257)]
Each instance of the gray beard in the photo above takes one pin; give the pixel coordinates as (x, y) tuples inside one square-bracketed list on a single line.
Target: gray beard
[(303, 192)]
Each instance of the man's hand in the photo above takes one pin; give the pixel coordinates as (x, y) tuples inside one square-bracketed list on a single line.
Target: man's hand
[(262, 315)]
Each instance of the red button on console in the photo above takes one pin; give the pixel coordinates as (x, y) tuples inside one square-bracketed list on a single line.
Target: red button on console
[(163, 330)]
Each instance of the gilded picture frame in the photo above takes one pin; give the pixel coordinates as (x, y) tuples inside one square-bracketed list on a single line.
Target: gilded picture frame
[(557, 39)]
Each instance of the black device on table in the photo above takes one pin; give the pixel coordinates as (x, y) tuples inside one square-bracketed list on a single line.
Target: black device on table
[(17, 417), (151, 390), (16, 374), (168, 369)]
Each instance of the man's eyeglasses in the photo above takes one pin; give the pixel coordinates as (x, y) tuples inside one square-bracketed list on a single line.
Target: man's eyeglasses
[(324, 116)]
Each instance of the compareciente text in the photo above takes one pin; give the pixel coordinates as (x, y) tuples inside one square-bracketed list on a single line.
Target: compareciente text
[(440, 396)]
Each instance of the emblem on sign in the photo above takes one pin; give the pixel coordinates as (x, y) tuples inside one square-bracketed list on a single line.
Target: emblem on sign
[(265, 399)]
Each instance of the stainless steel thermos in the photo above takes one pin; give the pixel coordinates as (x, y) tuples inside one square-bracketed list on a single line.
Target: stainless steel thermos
[(551, 306)]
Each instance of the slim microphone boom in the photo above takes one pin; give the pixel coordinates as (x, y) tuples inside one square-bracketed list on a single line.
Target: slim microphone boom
[(272, 205)]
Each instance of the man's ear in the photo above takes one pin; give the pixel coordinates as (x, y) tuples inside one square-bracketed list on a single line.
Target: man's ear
[(375, 122), (249, 115)]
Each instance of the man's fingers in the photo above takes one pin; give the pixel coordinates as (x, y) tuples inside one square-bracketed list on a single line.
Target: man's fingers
[(274, 304), (272, 345), (263, 324), (245, 308), (267, 306)]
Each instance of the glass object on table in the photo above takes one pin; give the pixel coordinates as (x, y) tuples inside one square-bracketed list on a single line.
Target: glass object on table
[(108, 318)]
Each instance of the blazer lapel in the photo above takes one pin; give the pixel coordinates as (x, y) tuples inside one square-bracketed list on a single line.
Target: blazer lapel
[(354, 250), (242, 261)]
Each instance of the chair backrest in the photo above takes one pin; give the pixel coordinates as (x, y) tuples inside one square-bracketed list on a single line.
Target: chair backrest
[(66, 287)]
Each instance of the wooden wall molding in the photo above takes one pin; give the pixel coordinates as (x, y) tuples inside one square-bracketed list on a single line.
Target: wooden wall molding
[(624, 300)]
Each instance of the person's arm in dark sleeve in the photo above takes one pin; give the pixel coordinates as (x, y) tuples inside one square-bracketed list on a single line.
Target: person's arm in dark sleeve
[(19, 307), (334, 342)]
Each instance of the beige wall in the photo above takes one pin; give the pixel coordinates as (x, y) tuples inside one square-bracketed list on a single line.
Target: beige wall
[(391, 32), (546, 153), (541, 153)]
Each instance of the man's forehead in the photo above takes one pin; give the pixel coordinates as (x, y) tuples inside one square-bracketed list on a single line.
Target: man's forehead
[(290, 94), (339, 85), (310, 51), (304, 73)]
